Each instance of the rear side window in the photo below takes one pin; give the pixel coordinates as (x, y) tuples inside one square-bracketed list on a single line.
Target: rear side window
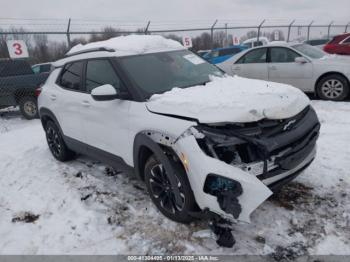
[(100, 72), (36, 69), (71, 76), (347, 40), (254, 56)]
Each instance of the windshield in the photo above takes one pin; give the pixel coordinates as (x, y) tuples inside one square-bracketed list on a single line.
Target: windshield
[(160, 72), (310, 51)]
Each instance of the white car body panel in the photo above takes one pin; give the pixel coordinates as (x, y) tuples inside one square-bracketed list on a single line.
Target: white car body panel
[(303, 76)]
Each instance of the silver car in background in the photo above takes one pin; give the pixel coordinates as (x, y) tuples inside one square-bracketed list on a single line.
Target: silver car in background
[(303, 66)]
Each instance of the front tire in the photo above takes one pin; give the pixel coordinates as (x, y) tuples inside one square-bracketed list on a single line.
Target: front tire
[(56, 143), (333, 87), (29, 107), (162, 195)]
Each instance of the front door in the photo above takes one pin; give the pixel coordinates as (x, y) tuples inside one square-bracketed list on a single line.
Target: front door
[(282, 68), (106, 123)]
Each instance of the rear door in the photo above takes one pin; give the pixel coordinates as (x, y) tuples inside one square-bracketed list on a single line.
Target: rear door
[(105, 123), (282, 68), (66, 100), (252, 65)]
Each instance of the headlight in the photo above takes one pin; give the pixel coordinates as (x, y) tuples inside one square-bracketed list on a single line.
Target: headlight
[(227, 146)]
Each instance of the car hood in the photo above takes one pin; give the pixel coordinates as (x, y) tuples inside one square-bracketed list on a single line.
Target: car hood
[(334, 60), (230, 99)]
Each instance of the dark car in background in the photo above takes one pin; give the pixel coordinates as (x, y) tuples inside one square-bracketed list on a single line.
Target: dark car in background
[(320, 43), (340, 45), (19, 86)]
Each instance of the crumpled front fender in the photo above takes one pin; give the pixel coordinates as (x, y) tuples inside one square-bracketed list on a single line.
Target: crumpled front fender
[(198, 165)]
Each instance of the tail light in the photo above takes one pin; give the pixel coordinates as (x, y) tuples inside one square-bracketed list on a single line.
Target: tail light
[(38, 91)]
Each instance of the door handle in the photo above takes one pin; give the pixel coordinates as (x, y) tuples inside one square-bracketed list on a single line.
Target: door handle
[(53, 97), (85, 103), (273, 68), (237, 68)]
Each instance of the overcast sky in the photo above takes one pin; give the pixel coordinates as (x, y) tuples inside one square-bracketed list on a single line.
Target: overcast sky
[(161, 10)]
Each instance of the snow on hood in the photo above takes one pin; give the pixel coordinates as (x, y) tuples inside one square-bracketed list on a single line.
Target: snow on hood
[(231, 99), (132, 44)]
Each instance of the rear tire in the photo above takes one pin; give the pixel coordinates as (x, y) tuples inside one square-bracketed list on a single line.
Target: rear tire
[(333, 87), (29, 107), (56, 143), (160, 191)]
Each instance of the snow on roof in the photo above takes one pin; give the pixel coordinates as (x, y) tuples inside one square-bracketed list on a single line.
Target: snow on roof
[(131, 44), (283, 43), (121, 46)]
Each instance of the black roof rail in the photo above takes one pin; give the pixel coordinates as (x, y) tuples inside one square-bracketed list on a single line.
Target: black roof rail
[(96, 49)]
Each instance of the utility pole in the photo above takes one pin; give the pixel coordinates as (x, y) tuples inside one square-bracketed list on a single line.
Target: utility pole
[(329, 29), (226, 39), (68, 34), (289, 27), (212, 34), (259, 27), (308, 30), (147, 26)]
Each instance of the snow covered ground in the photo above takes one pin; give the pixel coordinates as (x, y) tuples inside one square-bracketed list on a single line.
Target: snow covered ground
[(82, 207)]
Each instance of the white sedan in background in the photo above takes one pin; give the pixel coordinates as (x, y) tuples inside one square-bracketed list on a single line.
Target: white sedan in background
[(303, 66)]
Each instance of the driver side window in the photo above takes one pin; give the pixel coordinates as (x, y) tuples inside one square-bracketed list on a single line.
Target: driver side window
[(282, 55), (100, 72)]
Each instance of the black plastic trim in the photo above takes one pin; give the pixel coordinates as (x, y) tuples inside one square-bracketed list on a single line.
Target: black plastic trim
[(143, 140), (98, 154)]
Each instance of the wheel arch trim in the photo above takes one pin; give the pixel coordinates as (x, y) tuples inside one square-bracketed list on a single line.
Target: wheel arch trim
[(47, 113), (142, 140)]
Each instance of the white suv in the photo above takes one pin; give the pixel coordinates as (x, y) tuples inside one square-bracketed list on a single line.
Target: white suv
[(216, 146)]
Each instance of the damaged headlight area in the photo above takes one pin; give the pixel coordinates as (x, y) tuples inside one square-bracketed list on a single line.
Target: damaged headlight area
[(226, 190), (232, 146), (265, 148)]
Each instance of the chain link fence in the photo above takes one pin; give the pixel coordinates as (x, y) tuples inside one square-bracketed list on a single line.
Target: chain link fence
[(49, 39)]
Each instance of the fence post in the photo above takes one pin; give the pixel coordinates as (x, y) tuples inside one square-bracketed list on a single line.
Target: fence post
[(346, 27), (212, 34), (259, 27), (289, 27), (68, 34), (147, 26), (329, 29), (308, 30)]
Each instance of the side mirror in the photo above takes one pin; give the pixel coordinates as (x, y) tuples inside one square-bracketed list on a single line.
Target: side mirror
[(104, 93), (301, 60)]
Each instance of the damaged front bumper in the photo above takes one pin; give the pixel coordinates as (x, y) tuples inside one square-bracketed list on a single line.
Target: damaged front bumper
[(232, 169)]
